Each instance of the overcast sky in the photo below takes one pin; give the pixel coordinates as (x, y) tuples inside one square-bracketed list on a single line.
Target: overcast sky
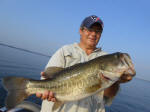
[(44, 26)]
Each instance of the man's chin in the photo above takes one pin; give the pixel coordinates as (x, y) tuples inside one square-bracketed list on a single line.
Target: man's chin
[(92, 44)]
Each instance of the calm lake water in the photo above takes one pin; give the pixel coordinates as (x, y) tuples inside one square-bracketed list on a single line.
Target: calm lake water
[(133, 97)]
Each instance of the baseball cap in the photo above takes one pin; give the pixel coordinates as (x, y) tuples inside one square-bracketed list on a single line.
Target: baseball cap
[(90, 20)]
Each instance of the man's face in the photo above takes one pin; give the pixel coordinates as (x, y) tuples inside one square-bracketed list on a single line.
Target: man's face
[(90, 37)]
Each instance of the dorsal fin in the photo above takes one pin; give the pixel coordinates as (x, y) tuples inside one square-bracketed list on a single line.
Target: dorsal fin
[(50, 71)]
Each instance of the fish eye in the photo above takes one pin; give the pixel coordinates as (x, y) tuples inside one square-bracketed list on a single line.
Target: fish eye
[(107, 67)]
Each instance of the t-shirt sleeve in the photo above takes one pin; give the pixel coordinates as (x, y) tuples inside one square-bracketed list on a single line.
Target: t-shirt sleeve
[(57, 59)]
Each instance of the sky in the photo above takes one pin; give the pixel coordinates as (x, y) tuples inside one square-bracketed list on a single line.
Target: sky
[(45, 25)]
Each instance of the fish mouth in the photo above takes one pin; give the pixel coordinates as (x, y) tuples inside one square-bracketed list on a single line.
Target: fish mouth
[(125, 58)]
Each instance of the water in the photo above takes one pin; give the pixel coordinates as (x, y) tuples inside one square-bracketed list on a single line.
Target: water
[(133, 97), (19, 62)]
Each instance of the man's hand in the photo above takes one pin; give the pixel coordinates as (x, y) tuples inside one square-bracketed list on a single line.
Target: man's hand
[(112, 90), (47, 94), (125, 78), (44, 76)]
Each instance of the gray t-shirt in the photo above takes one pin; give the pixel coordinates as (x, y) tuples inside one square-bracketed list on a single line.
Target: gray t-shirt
[(67, 56)]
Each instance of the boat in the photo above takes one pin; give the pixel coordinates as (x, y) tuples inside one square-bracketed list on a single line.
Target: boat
[(25, 106)]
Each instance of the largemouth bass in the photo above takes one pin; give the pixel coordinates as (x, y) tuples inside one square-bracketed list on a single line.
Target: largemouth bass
[(73, 83)]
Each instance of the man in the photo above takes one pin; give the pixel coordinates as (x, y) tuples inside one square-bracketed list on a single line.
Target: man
[(90, 33)]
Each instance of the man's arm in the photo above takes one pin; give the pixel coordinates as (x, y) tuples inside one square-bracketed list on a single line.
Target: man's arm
[(112, 90), (56, 60)]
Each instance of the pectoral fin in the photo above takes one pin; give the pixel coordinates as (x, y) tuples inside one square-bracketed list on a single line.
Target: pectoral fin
[(100, 95), (57, 105)]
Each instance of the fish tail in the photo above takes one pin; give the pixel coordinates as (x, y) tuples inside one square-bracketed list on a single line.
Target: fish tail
[(17, 90)]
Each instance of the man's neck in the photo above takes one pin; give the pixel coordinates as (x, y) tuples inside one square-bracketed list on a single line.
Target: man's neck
[(87, 49)]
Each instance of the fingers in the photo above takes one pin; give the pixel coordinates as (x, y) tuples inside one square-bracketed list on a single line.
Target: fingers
[(125, 78), (47, 95), (129, 78), (53, 100), (51, 97), (43, 75)]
